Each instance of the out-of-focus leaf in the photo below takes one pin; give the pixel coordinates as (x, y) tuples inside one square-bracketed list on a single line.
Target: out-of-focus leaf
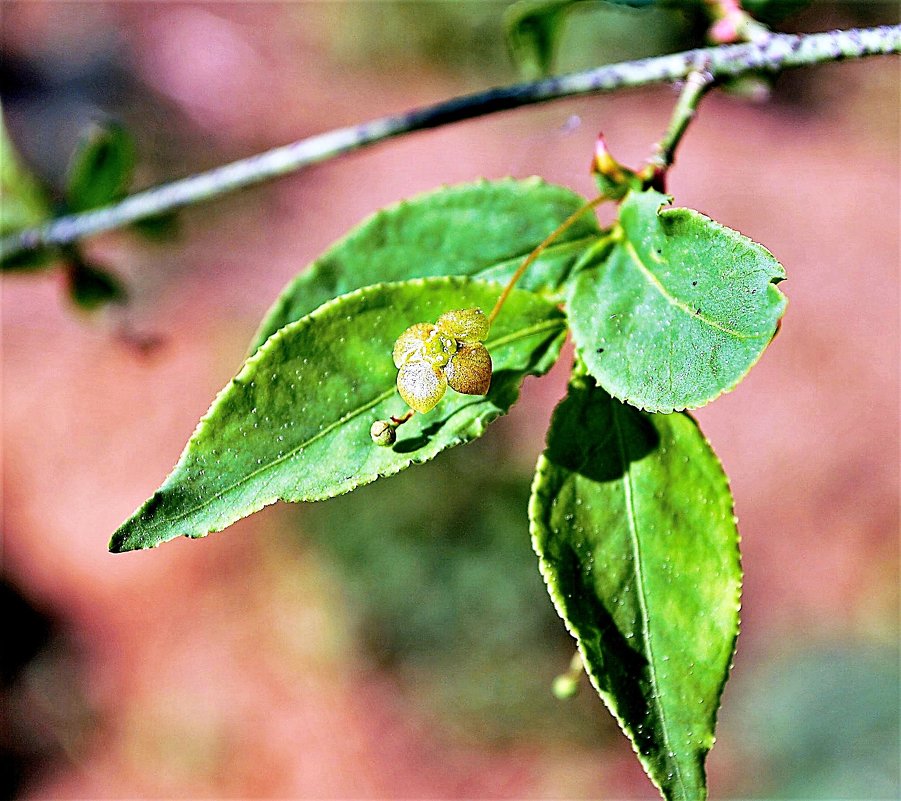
[(159, 227), (294, 423), (27, 260), (769, 12), (101, 167), (23, 198), (90, 287), (678, 310), (632, 521), (482, 230), (532, 28)]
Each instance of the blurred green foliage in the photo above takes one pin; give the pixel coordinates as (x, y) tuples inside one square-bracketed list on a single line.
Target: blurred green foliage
[(468, 36), (23, 200), (822, 723), (464, 35), (91, 288), (99, 173), (101, 167), (440, 578)]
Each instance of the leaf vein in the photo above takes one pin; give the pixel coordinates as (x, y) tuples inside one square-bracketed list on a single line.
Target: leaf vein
[(642, 593), (655, 282)]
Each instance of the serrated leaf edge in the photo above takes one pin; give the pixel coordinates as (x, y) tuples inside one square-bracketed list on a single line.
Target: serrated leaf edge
[(775, 279)]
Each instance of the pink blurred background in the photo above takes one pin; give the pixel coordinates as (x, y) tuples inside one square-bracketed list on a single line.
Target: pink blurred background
[(233, 666)]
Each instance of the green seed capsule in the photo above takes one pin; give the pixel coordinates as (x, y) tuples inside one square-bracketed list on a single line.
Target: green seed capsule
[(469, 371), (465, 325), (383, 433), (430, 358)]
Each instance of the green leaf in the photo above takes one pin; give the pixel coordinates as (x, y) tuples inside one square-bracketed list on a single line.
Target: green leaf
[(632, 522), (482, 230), (101, 167), (532, 29), (23, 197), (90, 287), (678, 310), (294, 423)]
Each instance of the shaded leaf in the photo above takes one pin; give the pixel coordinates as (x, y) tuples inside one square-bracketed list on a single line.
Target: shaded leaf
[(678, 310), (101, 167), (770, 12), (294, 423), (90, 287), (28, 260), (159, 227), (483, 230), (632, 521)]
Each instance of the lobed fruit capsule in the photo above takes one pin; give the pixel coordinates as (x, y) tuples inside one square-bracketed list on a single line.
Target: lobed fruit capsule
[(430, 358)]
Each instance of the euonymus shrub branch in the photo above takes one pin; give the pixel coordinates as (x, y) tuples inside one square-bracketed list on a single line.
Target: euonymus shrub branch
[(631, 514)]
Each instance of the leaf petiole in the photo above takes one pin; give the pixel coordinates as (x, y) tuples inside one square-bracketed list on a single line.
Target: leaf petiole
[(693, 90)]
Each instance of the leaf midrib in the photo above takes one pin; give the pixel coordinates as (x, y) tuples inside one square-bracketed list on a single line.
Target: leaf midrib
[(642, 594), (521, 334), (673, 301)]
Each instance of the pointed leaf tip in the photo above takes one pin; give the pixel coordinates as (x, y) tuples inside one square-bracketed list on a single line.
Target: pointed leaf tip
[(295, 423)]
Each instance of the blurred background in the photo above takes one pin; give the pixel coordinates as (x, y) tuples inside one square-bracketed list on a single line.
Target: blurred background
[(376, 646)]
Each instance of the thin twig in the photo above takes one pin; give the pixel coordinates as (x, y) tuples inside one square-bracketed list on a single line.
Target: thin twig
[(778, 52)]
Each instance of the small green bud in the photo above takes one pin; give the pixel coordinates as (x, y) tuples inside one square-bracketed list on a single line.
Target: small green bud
[(383, 433), (565, 686)]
